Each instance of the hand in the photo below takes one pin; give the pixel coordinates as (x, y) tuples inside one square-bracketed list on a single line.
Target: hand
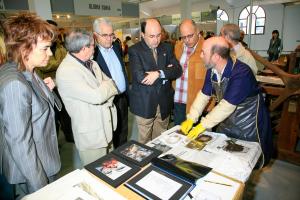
[(151, 77), (49, 82), (186, 126), (193, 134)]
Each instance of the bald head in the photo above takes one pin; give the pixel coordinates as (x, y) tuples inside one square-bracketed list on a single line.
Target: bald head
[(215, 52), (189, 32), (151, 32), (217, 45)]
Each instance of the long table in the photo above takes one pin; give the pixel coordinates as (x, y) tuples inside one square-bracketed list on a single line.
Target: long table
[(225, 181)]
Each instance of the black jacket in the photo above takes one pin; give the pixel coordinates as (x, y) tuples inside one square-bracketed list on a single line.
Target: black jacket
[(144, 99)]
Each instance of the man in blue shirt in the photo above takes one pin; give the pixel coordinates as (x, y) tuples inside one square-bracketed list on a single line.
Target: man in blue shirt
[(240, 112), (109, 58)]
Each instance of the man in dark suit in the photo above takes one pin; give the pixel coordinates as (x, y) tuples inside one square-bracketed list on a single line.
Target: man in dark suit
[(109, 58), (152, 65)]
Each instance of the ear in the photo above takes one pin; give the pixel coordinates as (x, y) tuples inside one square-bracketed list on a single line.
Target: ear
[(143, 35)]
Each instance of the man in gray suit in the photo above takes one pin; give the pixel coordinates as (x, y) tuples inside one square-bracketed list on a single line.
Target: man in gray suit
[(88, 96)]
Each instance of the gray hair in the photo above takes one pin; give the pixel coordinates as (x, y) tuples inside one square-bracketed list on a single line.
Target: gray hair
[(77, 39), (97, 22), (232, 31)]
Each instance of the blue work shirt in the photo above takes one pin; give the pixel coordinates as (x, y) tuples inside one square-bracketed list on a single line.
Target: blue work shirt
[(242, 83)]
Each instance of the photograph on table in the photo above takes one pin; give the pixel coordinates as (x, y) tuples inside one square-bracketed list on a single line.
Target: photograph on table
[(159, 145), (153, 183), (137, 153), (233, 146), (200, 142), (174, 139), (112, 169), (196, 145)]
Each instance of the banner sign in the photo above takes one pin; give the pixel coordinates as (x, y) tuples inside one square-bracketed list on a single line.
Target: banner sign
[(98, 7)]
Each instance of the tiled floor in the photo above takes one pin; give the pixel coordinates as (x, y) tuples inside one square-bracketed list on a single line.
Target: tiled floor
[(279, 181)]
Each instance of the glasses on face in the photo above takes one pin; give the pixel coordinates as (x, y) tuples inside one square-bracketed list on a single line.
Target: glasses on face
[(187, 36), (107, 36)]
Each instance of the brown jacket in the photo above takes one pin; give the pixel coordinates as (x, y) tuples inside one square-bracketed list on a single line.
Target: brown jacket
[(196, 71)]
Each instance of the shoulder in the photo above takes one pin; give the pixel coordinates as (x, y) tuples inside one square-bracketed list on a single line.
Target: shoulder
[(136, 47), (165, 46), (241, 69), (68, 64), (11, 77), (9, 72)]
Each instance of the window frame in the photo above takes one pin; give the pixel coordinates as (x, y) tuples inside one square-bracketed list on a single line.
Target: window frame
[(222, 13), (254, 16)]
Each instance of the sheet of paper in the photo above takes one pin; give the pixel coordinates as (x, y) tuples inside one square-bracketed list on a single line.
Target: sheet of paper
[(214, 187), (78, 182), (214, 153), (159, 185)]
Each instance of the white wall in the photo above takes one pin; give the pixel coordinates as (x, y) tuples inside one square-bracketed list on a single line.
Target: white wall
[(285, 19), (291, 29)]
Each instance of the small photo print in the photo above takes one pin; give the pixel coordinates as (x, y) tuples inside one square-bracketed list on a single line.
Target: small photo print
[(196, 145), (112, 168), (159, 145), (136, 152), (204, 138)]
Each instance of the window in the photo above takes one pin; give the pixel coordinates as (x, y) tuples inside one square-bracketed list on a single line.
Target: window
[(222, 15), (258, 20)]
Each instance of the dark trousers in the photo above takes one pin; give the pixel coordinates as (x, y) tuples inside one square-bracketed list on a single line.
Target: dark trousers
[(121, 133), (179, 113), (273, 57), (63, 119)]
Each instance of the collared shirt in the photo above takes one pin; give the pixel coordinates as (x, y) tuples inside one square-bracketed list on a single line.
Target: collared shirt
[(114, 67), (87, 64), (182, 82)]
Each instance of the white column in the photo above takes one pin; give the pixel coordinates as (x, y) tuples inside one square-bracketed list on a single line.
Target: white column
[(185, 9), (41, 7)]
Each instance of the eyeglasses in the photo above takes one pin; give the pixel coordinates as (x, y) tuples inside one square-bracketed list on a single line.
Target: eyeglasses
[(187, 36), (106, 36)]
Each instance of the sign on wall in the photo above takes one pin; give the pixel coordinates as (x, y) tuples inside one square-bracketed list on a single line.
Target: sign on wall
[(98, 7)]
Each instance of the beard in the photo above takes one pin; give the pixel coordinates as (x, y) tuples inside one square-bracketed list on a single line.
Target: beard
[(210, 65)]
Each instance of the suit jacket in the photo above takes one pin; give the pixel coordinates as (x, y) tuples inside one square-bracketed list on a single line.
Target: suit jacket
[(196, 71), (28, 141), (245, 56), (89, 102), (103, 66), (144, 99)]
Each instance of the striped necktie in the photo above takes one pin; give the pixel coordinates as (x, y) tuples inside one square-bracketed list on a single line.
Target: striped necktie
[(154, 54)]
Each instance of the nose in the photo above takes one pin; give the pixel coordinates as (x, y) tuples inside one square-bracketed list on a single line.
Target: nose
[(49, 52)]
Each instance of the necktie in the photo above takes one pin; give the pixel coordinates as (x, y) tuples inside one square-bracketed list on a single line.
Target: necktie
[(154, 54), (89, 66)]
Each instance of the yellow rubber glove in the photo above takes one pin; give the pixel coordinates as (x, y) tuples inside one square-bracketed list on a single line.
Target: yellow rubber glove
[(193, 134), (186, 126)]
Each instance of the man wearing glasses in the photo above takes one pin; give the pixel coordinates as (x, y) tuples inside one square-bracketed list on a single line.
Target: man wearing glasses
[(153, 66), (109, 58), (191, 81)]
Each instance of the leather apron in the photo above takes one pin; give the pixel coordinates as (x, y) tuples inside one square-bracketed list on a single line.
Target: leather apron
[(242, 123)]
